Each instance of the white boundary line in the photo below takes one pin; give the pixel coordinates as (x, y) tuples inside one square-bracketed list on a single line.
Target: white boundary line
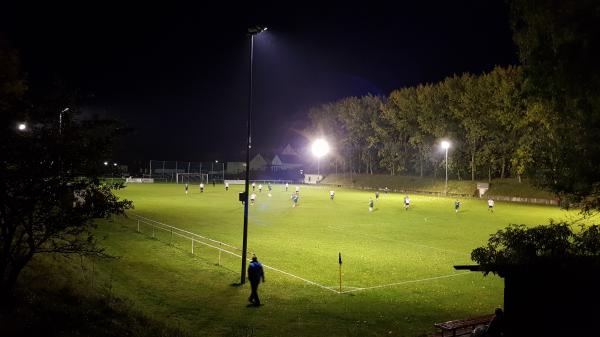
[(355, 289), (235, 254), (406, 282)]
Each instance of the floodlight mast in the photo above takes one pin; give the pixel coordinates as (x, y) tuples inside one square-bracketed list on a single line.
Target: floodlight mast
[(445, 146), (251, 31), (320, 147)]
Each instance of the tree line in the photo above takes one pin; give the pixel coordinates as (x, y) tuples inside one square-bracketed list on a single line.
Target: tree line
[(540, 119), (484, 117)]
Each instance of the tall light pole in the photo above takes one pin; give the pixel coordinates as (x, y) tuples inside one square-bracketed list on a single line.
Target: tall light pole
[(319, 149), (251, 31), (60, 120), (445, 146)]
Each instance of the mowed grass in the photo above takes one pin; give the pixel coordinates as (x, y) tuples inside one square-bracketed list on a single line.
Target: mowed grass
[(398, 276)]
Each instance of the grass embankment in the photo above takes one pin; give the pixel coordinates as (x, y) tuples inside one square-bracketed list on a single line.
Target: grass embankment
[(502, 187), (61, 296)]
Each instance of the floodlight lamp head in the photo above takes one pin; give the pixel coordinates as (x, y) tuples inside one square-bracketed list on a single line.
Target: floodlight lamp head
[(320, 148), (255, 30), (22, 126), (445, 144)]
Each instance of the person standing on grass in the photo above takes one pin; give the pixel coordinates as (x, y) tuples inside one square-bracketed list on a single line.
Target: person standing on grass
[(491, 205), (252, 198), (297, 189), (295, 200), (456, 206), (370, 205), (253, 186), (186, 188), (270, 187), (255, 275), (376, 195), (331, 194), (286, 187), (201, 187), (226, 186), (260, 188), (406, 202)]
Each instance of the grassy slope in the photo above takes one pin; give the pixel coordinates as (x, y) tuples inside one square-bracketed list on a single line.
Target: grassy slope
[(387, 246), (504, 187)]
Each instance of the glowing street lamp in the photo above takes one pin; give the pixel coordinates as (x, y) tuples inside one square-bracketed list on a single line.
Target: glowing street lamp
[(320, 147), (445, 146), (22, 127)]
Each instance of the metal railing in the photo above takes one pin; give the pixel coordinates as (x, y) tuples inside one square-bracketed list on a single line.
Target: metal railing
[(194, 238)]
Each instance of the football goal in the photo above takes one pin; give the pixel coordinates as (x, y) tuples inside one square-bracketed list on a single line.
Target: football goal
[(192, 178)]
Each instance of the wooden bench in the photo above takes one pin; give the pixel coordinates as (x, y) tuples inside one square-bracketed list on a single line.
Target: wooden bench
[(462, 327)]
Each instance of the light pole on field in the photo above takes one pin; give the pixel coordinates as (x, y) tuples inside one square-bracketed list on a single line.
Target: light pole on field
[(320, 147), (252, 32), (445, 146)]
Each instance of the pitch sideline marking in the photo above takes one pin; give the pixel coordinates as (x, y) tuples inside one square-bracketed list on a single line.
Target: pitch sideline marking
[(405, 282), (320, 285), (237, 255)]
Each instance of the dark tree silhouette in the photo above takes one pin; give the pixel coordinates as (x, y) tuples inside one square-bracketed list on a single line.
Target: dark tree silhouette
[(49, 175)]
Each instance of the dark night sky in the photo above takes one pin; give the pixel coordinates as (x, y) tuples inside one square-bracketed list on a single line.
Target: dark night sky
[(179, 74)]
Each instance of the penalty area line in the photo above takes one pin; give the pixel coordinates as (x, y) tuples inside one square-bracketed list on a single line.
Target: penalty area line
[(406, 282)]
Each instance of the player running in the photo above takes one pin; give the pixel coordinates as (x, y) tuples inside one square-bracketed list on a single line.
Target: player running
[(376, 195), (331, 195), (260, 188), (491, 205), (295, 198), (456, 206), (406, 202), (252, 198), (226, 186)]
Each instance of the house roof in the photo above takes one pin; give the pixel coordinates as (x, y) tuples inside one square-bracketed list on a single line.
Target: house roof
[(289, 159)]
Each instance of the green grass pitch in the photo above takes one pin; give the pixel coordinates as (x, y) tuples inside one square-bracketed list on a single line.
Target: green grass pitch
[(398, 276)]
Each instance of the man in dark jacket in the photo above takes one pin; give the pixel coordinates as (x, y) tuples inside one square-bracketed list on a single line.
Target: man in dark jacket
[(255, 275)]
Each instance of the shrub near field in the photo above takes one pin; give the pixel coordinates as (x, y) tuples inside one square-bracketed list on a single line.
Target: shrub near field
[(397, 264)]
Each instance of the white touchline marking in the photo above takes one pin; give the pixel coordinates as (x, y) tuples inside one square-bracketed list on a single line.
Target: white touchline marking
[(355, 289), (237, 255), (406, 282)]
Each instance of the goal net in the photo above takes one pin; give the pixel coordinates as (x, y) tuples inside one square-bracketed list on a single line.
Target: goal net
[(182, 178)]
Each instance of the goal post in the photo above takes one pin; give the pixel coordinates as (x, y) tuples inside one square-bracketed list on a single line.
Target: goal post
[(192, 178)]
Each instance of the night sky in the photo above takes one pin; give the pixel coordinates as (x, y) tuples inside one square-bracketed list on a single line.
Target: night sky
[(178, 74)]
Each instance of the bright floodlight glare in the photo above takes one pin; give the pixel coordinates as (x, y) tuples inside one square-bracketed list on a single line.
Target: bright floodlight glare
[(105, 163), (264, 29), (22, 126), (445, 144), (320, 148)]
